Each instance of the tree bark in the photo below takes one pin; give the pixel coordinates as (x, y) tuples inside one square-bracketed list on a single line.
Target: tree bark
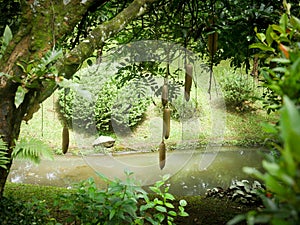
[(42, 26)]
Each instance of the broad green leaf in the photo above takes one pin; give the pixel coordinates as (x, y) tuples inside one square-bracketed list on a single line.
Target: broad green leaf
[(20, 94), (281, 60), (172, 213), (155, 190), (278, 28), (274, 186), (236, 219), (283, 21), (269, 128), (261, 36), (112, 214), (169, 196), (272, 168), (7, 35), (262, 47), (161, 208), (253, 171), (268, 36), (160, 217), (183, 214), (169, 205), (295, 22)]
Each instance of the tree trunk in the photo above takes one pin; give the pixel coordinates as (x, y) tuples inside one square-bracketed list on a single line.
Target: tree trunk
[(41, 26), (9, 126)]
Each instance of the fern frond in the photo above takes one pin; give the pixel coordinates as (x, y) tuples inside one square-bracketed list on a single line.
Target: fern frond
[(3, 158), (32, 149)]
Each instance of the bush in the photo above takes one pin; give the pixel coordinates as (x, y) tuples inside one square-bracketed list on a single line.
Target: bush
[(183, 110), (14, 212), (121, 108), (238, 91), (122, 202), (77, 107)]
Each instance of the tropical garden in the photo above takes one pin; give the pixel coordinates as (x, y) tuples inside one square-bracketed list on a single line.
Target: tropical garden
[(184, 53)]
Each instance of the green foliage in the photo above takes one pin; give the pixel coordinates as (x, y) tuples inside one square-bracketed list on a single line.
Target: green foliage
[(240, 191), (281, 176), (4, 41), (238, 91), (3, 158), (281, 50), (119, 203), (16, 212), (39, 70), (125, 103), (163, 209), (183, 110), (31, 149)]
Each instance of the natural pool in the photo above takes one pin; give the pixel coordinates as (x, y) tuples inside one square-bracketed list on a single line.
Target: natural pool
[(192, 172)]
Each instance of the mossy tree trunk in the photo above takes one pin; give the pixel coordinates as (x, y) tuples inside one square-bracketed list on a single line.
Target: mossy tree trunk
[(42, 26)]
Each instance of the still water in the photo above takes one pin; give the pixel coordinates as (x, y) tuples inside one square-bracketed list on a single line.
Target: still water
[(192, 172)]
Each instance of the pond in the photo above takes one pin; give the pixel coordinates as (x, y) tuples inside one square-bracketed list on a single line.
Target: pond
[(192, 172)]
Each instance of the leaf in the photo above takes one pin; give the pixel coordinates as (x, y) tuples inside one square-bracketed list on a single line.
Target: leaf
[(169, 196), (295, 22), (19, 97), (269, 128), (261, 36), (268, 36), (172, 213), (253, 171), (7, 35), (160, 217), (169, 205), (237, 219), (262, 47), (32, 149), (112, 214), (183, 214), (283, 21), (161, 208), (183, 202)]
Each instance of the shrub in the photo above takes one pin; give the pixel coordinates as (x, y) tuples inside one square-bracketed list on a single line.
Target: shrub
[(238, 91), (77, 107), (120, 203), (281, 176), (122, 107), (183, 110), (14, 212)]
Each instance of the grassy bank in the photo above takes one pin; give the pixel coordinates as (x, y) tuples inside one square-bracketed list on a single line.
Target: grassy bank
[(201, 210)]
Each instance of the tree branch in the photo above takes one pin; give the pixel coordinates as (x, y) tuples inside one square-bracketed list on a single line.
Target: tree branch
[(71, 62)]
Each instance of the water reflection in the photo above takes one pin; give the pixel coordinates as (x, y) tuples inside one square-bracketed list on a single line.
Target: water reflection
[(193, 178)]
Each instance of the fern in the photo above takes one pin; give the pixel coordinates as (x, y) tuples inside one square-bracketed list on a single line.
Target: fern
[(32, 149), (3, 159)]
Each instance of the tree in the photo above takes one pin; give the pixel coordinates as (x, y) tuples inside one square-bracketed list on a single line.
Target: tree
[(51, 39), (30, 64)]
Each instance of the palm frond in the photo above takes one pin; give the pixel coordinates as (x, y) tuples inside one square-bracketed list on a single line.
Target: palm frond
[(32, 149), (3, 158)]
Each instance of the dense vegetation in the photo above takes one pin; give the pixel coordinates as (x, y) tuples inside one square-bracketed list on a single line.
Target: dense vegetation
[(214, 30)]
